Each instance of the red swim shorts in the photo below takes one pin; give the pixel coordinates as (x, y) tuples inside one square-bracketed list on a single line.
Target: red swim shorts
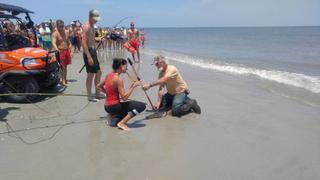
[(135, 44), (65, 57)]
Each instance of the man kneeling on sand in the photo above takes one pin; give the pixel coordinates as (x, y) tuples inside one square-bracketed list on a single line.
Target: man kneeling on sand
[(176, 97)]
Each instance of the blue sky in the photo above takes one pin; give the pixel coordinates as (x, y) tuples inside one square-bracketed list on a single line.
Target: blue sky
[(181, 13)]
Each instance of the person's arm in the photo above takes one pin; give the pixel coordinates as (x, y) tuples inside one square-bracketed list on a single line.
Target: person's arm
[(69, 42), (54, 41), (100, 86), (85, 46), (125, 95), (98, 39), (129, 35), (160, 81), (160, 95)]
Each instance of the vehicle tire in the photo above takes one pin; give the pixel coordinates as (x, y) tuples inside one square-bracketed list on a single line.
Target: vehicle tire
[(21, 84), (52, 86)]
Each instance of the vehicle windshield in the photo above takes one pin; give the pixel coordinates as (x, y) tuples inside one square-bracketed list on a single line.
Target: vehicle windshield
[(14, 33)]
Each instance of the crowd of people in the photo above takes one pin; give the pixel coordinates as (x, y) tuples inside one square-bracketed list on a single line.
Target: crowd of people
[(68, 39), (76, 37), (175, 99), (112, 38)]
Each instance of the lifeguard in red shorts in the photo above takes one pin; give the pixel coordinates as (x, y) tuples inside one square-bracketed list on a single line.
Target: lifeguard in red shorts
[(133, 37), (61, 42)]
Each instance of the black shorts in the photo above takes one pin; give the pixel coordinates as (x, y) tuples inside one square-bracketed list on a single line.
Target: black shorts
[(73, 40), (124, 108), (96, 66)]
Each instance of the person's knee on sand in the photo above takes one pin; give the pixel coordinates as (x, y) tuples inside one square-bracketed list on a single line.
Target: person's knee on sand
[(177, 89), (135, 109), (179, 105), (113, 86)]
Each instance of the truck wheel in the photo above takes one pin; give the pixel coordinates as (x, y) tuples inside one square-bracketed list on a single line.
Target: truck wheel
[(21, 84), (53, 85)]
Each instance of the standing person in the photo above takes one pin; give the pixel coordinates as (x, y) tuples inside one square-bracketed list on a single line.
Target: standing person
[(113, 86), (90, 55), (73, 38), (142, 37), (78, 37), (45, 36), (109, 41), (39, 40), (176, 97), (133, 37), (61, 42)]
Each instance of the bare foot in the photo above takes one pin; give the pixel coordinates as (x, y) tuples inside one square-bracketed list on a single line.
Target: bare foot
[(169, 112), (123, 126)]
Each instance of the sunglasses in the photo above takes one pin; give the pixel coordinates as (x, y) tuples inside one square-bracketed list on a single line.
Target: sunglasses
[(157, 63)]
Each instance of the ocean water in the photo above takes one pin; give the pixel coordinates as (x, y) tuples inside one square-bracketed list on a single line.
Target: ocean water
[(288, 55)]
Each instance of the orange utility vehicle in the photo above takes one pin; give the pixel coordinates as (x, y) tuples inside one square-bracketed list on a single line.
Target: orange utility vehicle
[(24, 66)]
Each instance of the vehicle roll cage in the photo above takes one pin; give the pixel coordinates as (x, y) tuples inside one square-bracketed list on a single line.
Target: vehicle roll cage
[(16, 10)]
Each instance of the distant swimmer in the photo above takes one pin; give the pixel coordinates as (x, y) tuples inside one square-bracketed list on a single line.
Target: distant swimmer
[(61, 42), (134, 41), (113, 86), (90, 55), (176, 97)]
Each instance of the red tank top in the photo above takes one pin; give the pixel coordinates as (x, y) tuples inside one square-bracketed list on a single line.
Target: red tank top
[(112, 94)]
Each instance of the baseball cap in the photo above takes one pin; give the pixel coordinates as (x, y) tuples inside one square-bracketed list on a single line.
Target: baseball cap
[(94, 14)]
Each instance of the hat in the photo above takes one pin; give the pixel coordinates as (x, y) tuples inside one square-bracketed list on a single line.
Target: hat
[(94, 14)]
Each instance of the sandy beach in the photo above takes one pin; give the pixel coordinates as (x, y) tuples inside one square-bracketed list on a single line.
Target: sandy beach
[(249, 128)]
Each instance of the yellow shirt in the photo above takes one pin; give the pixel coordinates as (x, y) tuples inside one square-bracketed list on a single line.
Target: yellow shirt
[(175, 84)]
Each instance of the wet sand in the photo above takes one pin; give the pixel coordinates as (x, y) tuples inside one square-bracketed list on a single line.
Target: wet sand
[(249, 129)]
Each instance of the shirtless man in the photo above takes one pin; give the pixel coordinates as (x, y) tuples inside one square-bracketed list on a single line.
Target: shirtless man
[(133, 38), (72, 33), (61, 42), (90, 55)]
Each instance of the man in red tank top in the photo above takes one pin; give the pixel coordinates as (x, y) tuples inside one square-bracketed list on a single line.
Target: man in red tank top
[(113, 86)]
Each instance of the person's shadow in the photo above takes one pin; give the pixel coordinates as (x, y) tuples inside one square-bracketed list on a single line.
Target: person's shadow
[(4, 112)]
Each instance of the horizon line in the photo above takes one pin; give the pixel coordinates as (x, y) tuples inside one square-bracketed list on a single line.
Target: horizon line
[(221, 26)]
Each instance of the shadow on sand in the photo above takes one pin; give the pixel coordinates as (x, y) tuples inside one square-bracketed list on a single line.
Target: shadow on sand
[(4, 112), (136, 124), (54, 90)]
